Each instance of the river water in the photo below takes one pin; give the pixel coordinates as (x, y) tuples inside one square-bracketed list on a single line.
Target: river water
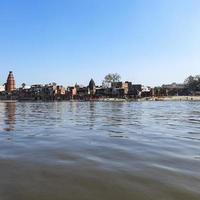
[(99, 151)]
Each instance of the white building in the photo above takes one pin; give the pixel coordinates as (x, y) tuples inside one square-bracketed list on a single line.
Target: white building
[(146, 89), (2, 88)]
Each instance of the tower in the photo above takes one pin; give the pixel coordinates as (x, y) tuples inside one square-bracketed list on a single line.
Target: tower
[(10, 84), (92, 87)]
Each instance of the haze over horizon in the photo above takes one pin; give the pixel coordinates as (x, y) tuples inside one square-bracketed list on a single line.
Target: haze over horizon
[(71, 41)]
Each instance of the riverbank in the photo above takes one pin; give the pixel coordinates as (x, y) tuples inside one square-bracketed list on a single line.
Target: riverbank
[(177, 98), (163, 98)]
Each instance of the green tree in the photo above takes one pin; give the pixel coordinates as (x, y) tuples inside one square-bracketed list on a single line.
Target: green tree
[(110, 78), (23, 85), (192, 83)]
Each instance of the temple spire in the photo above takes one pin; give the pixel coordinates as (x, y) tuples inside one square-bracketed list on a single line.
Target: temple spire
[(10, 84)]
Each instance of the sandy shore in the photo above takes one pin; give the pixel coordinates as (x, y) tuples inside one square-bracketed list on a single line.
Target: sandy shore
[(177, 98), (164, 98)]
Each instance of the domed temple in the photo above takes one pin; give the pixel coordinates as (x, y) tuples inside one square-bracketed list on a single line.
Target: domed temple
[(10, 84), (92, 87)]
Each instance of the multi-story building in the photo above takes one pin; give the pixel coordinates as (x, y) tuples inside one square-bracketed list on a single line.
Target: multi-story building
[(173, 89), (71, 92), (126, 89)]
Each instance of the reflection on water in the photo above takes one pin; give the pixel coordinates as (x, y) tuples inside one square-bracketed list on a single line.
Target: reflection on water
[(99, 150), (10, 111)]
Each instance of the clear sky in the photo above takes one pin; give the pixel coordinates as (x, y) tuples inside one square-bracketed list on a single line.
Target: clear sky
[(67, 41)]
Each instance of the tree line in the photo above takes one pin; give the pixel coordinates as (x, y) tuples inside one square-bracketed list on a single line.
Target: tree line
[(192, 83)]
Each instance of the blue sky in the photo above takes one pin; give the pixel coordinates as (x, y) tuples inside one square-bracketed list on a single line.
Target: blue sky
[(67, 41)]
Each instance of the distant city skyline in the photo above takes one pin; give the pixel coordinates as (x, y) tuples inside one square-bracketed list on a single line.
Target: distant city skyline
[(67, 42)]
